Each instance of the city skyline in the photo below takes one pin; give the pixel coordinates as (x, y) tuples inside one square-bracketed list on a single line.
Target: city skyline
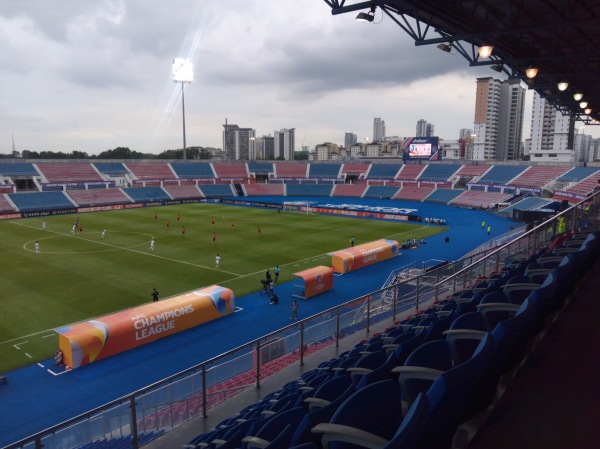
[(92, 77)]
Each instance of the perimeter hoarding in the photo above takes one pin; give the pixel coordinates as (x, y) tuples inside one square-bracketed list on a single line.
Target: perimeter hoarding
[(360, 256), (317, 280), (92, 340)]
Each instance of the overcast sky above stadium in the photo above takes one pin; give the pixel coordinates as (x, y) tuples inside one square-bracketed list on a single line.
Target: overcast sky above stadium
[(92, 76)]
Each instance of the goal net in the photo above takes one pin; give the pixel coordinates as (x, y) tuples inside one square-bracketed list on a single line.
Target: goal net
[(305, 207)]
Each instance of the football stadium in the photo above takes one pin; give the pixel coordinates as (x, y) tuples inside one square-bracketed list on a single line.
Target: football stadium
[(408, 292), (432, 266)]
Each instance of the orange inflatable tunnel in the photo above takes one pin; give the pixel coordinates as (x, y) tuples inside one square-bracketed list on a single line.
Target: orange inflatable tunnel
[(360, 256), (317, 280), (92, 340)]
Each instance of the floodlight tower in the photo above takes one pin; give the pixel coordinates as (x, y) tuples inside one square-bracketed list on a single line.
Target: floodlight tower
[(183, 72)]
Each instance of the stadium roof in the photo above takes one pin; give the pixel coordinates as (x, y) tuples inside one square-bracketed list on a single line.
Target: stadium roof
[(561, 38)]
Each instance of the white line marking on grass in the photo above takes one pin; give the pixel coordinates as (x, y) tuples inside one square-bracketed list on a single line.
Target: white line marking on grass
[(49, 335), (16, 345), (116, 247), (28, 355)]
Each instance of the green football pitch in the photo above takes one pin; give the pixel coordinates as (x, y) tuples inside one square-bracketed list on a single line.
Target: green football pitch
[(79, 276)]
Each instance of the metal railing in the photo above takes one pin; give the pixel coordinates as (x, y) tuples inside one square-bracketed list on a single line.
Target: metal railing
[(164, 405)]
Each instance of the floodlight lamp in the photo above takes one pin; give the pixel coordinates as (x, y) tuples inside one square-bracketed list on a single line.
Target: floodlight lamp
[(578, 96), (485, 51), (183, 70), (445, 47), (366, 16), (496, 68), (562, 86), (583, 104), (588, 111), (531, 72)]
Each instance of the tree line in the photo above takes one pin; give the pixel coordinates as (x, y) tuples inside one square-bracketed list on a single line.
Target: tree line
[(116, 153)]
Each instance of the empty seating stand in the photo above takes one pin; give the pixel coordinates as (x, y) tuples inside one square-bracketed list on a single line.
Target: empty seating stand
[(410, 172), (586, 186), (98, 197), (40, 201), (150, 170), (233, 170), (142, 194), (330, 171), (264, 189), (182, 191), (439, 172), (359, 170), (501, 174), (383, 171), (386, 192), (260, 168), (62, 172), (193, 170), (18, 169), (111, 168), (480, 199), (537, 176), (443, 195), (290, 170), (413, 192), (349, 190), (5, 206), (309, 189), (217, 190)]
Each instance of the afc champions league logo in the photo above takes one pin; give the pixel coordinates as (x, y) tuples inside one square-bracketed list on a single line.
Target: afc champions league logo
[(319, 282), (87, 346)]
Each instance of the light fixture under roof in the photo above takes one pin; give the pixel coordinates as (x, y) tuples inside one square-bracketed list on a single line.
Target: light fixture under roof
[(366, 16), (531, 72), (578, 96), (445, 47), (563, 85), (583, 104), (496, 68), (588, 111), (485, 51)]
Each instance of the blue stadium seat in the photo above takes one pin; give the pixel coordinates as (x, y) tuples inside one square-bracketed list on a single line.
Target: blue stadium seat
[(376, 409), (271, 431), (407, 435)]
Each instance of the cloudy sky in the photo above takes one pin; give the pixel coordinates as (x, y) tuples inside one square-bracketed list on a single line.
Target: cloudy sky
[(92, 76)]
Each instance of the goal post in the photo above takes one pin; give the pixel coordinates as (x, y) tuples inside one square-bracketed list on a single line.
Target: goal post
[(298, 206)]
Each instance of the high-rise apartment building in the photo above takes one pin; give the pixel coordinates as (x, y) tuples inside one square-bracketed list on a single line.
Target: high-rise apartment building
[(551, 133), (429, 130), (349, 139), (378, 130), (498, 124), (238, 143), (465, 133), (285, 142), (267, 148), (421, 128)]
